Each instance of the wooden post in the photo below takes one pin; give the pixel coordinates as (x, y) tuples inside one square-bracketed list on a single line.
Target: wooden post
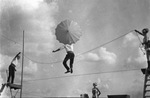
[(22, 66)]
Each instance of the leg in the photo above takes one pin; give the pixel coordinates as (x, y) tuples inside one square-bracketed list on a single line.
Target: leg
[(8, 79), (65, 62), (71, 62), (12, 77), (148, 58)]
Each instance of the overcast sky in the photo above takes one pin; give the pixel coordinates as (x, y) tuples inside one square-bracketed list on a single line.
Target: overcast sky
[(100, 21)]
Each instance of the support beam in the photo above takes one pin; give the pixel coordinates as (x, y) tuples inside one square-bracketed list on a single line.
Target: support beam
[(14, 86)]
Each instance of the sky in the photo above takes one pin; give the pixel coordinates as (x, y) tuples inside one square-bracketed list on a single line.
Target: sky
[(114, 66)]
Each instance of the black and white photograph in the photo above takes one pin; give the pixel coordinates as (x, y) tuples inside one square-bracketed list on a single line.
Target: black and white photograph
[(74, 48)]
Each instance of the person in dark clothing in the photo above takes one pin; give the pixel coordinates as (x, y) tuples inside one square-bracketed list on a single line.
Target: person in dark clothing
[(12, 69), (11, 73), (146, 44), (69, 56)]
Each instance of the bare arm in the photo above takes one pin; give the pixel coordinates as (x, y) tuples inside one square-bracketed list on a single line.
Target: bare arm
[(98, 92), (16, 57), (58, 49), (139, 32)]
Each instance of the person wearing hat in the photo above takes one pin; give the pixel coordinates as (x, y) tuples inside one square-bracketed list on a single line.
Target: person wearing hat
[(95, 91), (146, 44)]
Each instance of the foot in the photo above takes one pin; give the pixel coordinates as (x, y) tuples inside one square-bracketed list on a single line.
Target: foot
[(8, 82), (67, 71), (71, 70), (148, 68)]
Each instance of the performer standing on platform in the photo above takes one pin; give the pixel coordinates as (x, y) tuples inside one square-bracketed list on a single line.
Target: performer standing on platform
[(11, 72), (95, 91), (146, 44), (12, 69)]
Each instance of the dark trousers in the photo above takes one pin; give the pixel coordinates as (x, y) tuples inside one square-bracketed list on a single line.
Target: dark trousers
[(70, 56), (148, 58), (11, 76)]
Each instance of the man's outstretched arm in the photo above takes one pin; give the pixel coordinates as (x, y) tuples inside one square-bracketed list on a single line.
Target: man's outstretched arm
[(139, 32), (58, 49)]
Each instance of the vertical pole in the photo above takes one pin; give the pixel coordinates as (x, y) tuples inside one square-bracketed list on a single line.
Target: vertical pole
[(22, 66)]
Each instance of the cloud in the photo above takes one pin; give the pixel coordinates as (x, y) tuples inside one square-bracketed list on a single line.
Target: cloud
[(103, 84), (29, 4), (44, 22), (31, 68), (107, 56), (129, 59), (102, 55), (130, 40), (92, 57), (4, 63), (141, 57), (35, 17)]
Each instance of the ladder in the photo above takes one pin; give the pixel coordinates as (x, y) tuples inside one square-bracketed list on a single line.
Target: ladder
[(11, 86), (146, 90)]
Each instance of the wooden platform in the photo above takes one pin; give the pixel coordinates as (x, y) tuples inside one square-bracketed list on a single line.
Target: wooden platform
[(14, 86), (118, 96), (144, 70)]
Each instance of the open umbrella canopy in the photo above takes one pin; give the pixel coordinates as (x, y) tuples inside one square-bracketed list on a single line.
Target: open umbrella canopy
[(68, 32)]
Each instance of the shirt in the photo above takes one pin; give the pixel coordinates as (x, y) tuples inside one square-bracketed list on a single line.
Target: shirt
[(67, 47), (12, 68), (145, 41)]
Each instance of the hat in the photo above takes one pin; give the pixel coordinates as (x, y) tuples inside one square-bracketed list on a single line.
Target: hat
[(94, 84), (145, 30)]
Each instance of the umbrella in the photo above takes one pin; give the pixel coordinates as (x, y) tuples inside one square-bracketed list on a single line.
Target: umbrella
[(68, 32)]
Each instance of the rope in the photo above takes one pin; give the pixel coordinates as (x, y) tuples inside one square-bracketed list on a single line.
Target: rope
[(139, 38), (42, 62), (140, 43), (10, 39), (83, 52), (106, 43), (77, 75), (78, 54)]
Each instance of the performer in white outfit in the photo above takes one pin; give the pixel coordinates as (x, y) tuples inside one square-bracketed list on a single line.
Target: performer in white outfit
[(70, 55)]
